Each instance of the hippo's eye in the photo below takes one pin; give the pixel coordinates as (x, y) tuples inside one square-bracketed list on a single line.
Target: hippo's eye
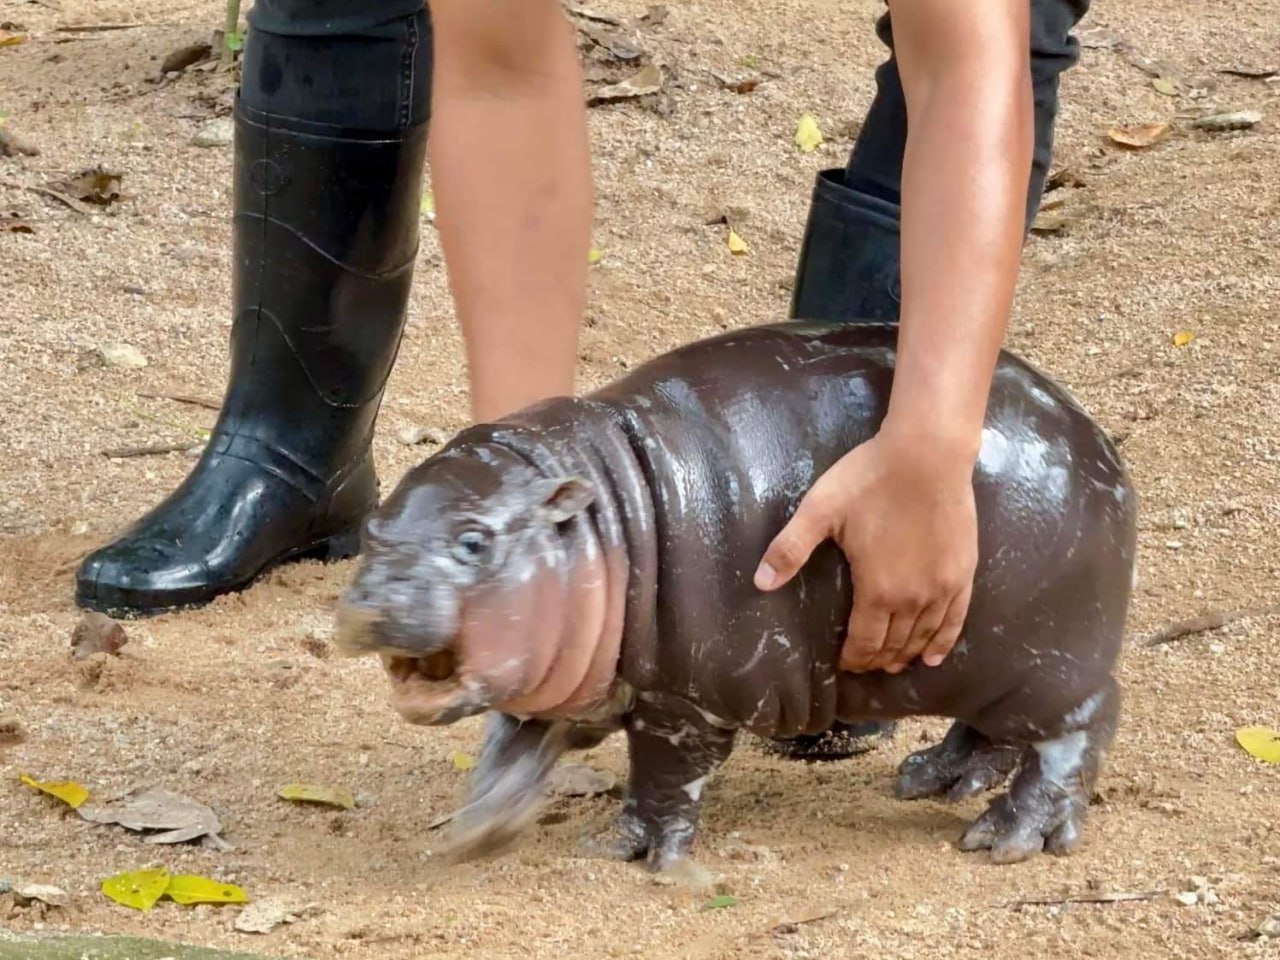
[(472, 545)]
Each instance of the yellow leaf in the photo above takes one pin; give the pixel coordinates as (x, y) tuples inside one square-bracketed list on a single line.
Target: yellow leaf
[(68, 791), (1182, 338), (1260, 742), (736, 244), (428, 204), (310, 793), (1143, 135), (1165, 86), (12, 39), (594, 255), (463, 761), (139, 889), (189, 889), (808, 135)]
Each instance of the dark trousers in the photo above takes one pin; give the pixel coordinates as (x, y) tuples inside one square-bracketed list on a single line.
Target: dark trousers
[(366, 65)]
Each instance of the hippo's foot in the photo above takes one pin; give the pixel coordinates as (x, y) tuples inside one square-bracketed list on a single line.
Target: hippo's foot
[(963, 765), (508, 785), (1045, 809), (673, 751)]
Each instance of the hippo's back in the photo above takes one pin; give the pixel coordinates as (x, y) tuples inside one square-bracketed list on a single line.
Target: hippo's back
[(733, 430)]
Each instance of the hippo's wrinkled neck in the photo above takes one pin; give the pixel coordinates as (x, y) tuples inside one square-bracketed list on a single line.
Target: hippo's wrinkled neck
[(578, 437)]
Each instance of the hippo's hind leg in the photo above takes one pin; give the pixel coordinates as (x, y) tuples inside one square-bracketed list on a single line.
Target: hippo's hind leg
[(1046, 806), (963, 765), (674, 750)]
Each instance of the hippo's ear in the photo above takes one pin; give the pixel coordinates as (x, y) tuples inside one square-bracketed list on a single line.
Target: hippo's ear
[(566, 497)]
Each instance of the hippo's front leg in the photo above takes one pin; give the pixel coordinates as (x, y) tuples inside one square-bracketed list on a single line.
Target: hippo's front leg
[(674, 750)]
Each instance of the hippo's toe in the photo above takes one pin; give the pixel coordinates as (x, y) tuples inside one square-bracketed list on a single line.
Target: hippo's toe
[(964, 765)]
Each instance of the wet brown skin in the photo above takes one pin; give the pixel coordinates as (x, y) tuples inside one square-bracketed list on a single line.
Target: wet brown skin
[(621, 533)]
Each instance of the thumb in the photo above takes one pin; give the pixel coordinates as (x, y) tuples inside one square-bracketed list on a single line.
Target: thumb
[(791, 548)]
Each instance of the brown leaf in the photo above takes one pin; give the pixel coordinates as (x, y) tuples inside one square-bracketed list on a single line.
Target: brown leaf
[(97, 633), (738, 83), (91, 186), (187, 56), (178, 818), (648, 80), (11, 221), (1047, 224), (1140, 136), (1064, 177)]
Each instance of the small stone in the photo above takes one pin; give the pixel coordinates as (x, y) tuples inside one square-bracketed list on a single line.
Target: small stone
[(123, 355), (1270, 927), (97, 633), (1197, 883), (1188, 898), (412, 436), (1173, 545), (1217, 648), (218, 132)]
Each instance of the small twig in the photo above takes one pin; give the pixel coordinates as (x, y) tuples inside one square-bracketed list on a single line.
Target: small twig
[(151, 450), (439, 822), (1202, 624), (183, 398), (100, 27), (1086, 898)]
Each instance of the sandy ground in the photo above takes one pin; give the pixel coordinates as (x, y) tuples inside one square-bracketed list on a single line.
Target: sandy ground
[(228, 703)]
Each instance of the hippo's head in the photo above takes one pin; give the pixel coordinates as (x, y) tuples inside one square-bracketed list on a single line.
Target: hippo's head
[(466, 584)]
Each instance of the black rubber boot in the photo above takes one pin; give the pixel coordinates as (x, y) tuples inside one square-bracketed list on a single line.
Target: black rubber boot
[(848, 271), (850, 265), (325, 237)]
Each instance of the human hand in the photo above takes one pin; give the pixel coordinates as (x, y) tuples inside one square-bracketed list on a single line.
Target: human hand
[(903, 512)]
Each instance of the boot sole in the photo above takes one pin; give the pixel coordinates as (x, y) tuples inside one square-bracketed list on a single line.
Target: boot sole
[(340, 546)]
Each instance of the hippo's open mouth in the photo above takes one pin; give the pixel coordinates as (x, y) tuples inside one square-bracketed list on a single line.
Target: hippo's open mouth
[(429, 690)]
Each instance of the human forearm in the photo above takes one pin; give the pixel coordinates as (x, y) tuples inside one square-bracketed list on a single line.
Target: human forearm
[(964, 186), (510, 163)]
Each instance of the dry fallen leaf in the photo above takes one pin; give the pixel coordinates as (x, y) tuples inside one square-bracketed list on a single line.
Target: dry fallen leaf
[(737, 246), (11, 39), (263, 916), (53, 896), (808, 134), (1261, 743), (1222, 122), (1065, 177), (586, 13), (176, 817), (1252, 73), (737, 82), (91, 186), (13, 222), (311, 793), (1165, 86), (124, 355), (139, 889), (1048, 223), (580, 780), (1140, 136), (427, 206), (97, 633), (647, 81), (186, 889), (68, 791), (1182, 338)]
